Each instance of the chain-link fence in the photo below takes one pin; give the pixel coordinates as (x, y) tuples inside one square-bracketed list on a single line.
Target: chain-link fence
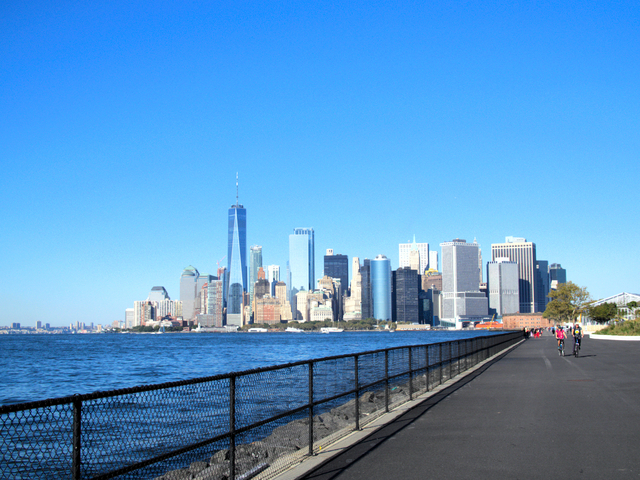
[(255, 423)]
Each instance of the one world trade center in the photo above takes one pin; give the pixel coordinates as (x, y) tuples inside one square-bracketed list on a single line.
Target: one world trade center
[(237, 262)]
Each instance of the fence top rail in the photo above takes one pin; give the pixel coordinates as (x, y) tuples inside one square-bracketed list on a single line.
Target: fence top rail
[(70, 399)]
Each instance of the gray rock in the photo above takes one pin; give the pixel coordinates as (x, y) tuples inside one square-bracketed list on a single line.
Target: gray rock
[(197, 467), (218, 471)]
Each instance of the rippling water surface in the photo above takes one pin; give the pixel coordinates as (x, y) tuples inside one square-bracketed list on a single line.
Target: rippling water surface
[(37, 367)]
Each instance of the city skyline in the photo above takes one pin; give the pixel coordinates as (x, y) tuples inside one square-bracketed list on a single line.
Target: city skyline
[(123, 128)]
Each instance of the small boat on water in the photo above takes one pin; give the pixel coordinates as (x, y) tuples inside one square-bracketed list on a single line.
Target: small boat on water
[(331, 330), (258, 330), (294, 330)]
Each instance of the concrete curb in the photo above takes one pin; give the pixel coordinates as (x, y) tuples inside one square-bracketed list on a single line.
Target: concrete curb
[(311, 463), (627, 338)]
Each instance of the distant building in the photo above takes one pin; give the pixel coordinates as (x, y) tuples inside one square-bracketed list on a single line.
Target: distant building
[(462, 301), (273, 275), (518, 321), (502, 286), (301, 312), (158, 294), (237, 262), (544, 284), (381, 288), (301, 259), (367, 303), (188, 291), (557, 274), (518, 250), (144, 312), (267, 309), (405, 295), (414, 255), (352, 304), (255, 262), (301, 263), (215, 302), (129, 318), (431, 280), (337, 266), (433, 260)]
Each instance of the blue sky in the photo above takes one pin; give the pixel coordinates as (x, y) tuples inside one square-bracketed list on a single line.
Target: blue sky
[(123, 124)]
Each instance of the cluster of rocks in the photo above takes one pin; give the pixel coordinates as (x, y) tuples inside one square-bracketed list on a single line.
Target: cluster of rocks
[(255, 457)]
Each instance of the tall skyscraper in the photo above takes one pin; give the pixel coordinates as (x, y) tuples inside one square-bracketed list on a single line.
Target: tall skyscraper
[(421, 251), (557, 274), (544, 284), (502, 285), (302, 259), (405, 294), (255, 262), (237, 262), (518, 250), (337, 266), (365, 274), (189, 292), (462, 300), (381, 287)]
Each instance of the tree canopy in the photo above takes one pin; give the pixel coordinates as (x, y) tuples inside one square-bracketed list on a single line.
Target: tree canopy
[(603, 313), (567, 302)]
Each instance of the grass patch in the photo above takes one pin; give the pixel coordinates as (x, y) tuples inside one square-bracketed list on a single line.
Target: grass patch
[(628, 328)]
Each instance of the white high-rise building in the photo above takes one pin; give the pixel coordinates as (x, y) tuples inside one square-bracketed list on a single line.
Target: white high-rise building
[(518, 250), (405, 251), (502, 285), (433, 260), (273, 273), (462, 300)]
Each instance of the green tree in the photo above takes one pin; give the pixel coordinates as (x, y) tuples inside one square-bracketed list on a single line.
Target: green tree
[(603, 313), (567, 302), (634, 312)]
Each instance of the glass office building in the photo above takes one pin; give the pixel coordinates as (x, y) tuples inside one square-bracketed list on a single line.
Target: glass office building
[(381, 287), (301, 259), (337, 266), (237, 263)]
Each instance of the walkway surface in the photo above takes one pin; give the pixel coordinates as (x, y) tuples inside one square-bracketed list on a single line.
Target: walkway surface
[(529, 414)]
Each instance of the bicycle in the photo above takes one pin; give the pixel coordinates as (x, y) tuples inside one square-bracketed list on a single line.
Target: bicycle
[(576, 346), (561, 348)]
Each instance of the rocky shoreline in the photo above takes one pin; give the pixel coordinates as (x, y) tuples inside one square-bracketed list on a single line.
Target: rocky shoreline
[(253, 458)]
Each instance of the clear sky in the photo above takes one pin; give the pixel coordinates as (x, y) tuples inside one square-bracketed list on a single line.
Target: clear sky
[(123, 124)]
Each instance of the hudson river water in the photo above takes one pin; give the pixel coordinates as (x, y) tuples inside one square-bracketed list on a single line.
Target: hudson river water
[(38, 367)]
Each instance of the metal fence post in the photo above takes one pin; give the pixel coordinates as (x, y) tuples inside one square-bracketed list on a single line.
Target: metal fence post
[(441, 366), (386, 381), (410, 374), (77, 438), (357, 395), (426, 375), (232, 427), (310, 408)]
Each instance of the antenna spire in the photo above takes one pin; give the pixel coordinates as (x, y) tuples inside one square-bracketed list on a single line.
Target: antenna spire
[(237, 201)]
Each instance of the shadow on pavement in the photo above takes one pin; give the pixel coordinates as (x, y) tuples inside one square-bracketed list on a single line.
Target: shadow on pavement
[(336, 465)]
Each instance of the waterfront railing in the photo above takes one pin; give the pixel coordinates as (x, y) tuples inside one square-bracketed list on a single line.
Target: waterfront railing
[(255, 423)]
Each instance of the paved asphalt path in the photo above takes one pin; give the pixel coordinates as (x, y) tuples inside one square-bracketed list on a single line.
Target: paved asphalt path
[(530, 414)]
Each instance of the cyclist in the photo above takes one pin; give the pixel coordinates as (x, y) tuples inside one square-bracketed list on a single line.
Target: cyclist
[(560, 336), (577, 337)]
